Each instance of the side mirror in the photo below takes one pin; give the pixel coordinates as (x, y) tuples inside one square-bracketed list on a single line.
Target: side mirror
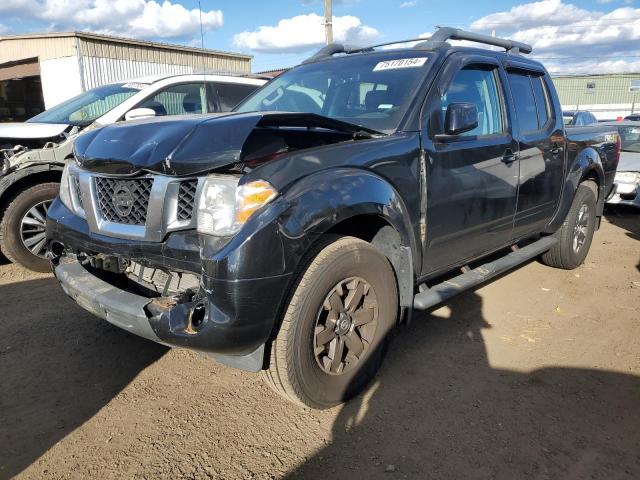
[(138, 113), (460, 118)]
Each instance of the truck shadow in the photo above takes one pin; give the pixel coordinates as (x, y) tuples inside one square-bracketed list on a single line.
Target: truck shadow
[(627, 218), (58, 366), (438, 409), (624, 217)]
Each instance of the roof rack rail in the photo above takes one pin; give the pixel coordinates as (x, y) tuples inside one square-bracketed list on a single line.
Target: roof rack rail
[(447, 33), (438, 39), (332, 49)]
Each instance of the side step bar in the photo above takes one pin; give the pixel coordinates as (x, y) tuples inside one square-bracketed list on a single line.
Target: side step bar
[(471, 278)]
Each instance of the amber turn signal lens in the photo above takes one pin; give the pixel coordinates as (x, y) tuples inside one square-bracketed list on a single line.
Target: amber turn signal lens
[(251, 197)]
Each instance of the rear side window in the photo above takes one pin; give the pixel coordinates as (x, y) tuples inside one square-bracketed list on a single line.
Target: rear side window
[(531, 100), (542, 100), (524, 101), (477, 85)]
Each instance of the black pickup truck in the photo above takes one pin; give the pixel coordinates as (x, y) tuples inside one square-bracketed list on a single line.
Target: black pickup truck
[(291, 235)]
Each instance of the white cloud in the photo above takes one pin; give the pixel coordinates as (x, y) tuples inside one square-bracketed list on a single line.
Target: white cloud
[(409, 4), (571, 39), (304, 32), (135, 18)]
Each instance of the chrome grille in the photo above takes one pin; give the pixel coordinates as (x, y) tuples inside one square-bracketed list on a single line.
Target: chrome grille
[(186, 199), (76, 185), (123, 201)]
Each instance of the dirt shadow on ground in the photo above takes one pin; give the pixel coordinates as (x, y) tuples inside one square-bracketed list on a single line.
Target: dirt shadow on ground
[(58, 366), (439, 410), (627, 218)]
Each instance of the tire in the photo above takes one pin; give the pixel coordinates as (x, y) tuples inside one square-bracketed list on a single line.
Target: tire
[(12, 229), (576, 233), (306, 370)]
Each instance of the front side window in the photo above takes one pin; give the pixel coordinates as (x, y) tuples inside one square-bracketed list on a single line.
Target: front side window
[(231, 94), (479, 86), (183, 99)]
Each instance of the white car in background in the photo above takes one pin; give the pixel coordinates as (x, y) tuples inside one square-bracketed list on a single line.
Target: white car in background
[(627, 181), (33, 153)]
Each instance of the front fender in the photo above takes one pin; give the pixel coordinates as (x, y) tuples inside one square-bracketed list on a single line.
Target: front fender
[(327, 198), (586, 164), (275, 240)]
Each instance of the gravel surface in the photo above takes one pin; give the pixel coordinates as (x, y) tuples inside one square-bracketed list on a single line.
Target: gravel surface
[(536, 375)]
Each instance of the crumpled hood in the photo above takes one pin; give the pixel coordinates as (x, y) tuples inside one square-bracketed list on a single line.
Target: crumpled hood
[(184, 145), (31, 131)]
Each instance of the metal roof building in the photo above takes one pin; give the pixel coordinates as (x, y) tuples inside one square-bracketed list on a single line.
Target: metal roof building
[(608, 96), (38, 71)]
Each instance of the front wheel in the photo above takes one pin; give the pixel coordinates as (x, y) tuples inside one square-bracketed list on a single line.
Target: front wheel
[(334, 331), (22, 230), (576, 233)]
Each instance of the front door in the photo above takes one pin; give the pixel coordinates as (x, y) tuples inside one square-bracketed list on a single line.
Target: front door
[(471, 179)]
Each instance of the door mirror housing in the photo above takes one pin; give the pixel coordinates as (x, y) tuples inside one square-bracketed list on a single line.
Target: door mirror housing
[(460, 118), (138, 113)]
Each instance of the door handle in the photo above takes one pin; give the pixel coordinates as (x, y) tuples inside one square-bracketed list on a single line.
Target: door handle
[(509, 157)]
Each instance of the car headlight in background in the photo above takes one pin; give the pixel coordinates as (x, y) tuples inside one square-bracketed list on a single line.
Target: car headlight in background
[(627, 177), (65, 189), (224, 206)]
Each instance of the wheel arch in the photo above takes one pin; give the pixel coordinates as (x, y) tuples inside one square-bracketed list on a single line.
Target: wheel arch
[(587, 166), (20, 180), (358, 203)]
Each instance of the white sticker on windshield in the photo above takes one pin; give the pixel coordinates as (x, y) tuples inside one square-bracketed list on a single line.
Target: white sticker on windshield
[(135, 86), (400, 63)]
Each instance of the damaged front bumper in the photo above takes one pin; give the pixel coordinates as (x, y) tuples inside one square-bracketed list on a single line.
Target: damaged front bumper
[(230, 319)]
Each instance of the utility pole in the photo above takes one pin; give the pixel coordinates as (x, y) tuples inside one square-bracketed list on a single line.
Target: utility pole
[(328, 27)]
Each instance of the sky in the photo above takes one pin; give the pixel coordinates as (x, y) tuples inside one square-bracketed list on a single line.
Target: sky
[(580, 36)]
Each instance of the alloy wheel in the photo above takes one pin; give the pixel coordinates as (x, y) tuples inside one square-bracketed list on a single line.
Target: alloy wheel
[(581, 228), (32, 228), (345, 326)]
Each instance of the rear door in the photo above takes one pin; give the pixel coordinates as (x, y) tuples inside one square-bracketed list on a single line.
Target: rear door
[(541, 146), (471, 180)]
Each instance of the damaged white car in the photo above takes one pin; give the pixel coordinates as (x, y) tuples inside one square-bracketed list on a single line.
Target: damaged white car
[(627, 182), (32, 154)]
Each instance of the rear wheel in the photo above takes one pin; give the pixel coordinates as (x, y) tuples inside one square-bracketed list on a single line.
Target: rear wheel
[(22, 230), (335, 327), (576, 233)]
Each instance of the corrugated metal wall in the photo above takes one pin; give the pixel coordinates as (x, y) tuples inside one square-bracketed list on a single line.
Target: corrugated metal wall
[(605, 95), (107, 62), (12, 50), (100, 71)]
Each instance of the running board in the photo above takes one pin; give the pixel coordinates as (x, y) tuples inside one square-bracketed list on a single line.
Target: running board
[(471, 278)]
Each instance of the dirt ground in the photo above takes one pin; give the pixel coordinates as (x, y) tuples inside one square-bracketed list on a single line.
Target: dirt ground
[(536, 375)]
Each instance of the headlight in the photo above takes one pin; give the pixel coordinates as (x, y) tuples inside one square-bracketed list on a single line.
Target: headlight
[(65, 189), (224, 206), (627, 177)]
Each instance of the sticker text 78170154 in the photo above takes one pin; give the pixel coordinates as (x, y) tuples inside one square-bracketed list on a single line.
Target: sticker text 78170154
[(400, 63)]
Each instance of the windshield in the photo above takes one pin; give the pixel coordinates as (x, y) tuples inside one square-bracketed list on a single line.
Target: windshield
[(86, 107), (372, 90), (630, 138)]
